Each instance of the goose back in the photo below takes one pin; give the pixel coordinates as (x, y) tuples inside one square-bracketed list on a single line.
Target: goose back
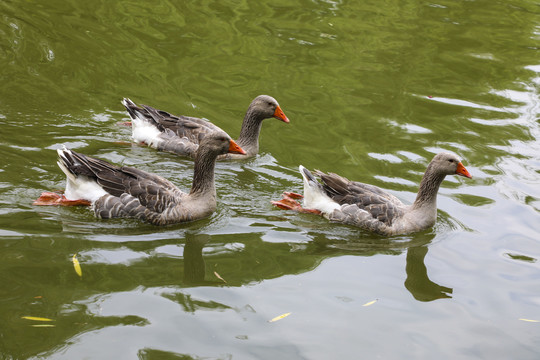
[(130, 192), (380, 205)]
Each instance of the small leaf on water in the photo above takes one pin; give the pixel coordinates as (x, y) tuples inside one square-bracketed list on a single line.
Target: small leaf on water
[(36, 318), (43, 325), (77, 266), (370, 303), (219, 277), (280, 317), (530, 320)]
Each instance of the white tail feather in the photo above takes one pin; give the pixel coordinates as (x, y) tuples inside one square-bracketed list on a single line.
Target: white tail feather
[(78, 187), (62, 160), (314, 195), (142, 130)]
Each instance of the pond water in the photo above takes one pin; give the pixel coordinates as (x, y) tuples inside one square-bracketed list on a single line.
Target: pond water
[(373, 90)]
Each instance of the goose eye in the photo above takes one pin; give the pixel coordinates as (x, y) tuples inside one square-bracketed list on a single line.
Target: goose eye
[(451, 160)]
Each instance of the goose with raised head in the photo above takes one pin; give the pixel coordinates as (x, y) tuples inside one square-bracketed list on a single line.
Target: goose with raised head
[(369, 207), (183, 134), (121, 191)]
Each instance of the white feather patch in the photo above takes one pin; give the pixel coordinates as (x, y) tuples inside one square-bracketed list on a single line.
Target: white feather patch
[(315, 197), (145, 132), (79, 187)]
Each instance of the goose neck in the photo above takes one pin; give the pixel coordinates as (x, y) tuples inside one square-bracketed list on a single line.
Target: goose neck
[(429, 187), (203, 172), (249, 133)]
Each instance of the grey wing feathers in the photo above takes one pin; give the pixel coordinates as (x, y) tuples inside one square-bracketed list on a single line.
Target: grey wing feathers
[(353, 215), (151, 191), (102, 172), (379, 204), (192, 128), (177, 145)]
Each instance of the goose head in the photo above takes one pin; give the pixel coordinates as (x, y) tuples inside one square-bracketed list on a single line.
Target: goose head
[(220, 143), (448, 164), (266, 107)]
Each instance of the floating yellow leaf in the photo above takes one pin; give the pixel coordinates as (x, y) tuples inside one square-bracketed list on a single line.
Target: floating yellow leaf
[(219, 277), (529, 320), (370, 303), (280, 317), (43, 325), (36, 318), (77, 266)]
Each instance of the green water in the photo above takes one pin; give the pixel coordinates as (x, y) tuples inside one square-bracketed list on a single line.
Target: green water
[(372, 88)]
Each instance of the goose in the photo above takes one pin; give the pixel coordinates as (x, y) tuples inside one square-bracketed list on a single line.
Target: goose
[(182, 134), (121, 191), (369, 207)]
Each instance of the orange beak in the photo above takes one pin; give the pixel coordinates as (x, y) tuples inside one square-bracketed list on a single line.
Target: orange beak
[(279, 114), (462, 171), (235, 148)]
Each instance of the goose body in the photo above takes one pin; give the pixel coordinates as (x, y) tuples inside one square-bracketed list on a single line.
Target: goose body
[(183, 134), (370, 207), (121, 191)]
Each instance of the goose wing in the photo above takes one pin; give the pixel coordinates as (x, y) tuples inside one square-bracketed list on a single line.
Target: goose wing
[(192, 128), (153, 192), (381, 205)]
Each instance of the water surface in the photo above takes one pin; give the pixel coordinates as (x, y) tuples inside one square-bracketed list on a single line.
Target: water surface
[(373, 90)]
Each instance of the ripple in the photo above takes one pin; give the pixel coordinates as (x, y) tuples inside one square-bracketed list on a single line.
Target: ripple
[(465, 103), (386, 157)]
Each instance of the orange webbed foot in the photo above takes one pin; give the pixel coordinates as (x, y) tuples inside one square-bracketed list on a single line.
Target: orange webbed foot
[(289, 203), (124, 123), (48, 198), (292, 195), (286, 204)]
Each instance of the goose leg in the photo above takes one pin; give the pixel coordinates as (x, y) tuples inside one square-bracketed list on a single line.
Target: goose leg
[(293, 195), (289, 203), (52, 198)]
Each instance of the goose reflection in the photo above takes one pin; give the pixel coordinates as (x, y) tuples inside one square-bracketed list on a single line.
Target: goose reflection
[(417, 282), (194, 265)]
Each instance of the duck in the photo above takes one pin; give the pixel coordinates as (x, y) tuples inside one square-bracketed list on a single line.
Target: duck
[(370, 207), (182, 135), (124, 192)]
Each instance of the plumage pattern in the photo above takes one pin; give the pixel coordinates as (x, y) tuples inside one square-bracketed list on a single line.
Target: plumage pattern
[(380, 205), (183, 134), (370, 207), (121, 191)]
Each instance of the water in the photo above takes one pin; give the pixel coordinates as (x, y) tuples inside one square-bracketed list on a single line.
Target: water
[(373, 89)]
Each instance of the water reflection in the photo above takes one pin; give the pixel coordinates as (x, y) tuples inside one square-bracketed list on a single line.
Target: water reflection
[(194, 266), (418, 282), (375, 86)]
